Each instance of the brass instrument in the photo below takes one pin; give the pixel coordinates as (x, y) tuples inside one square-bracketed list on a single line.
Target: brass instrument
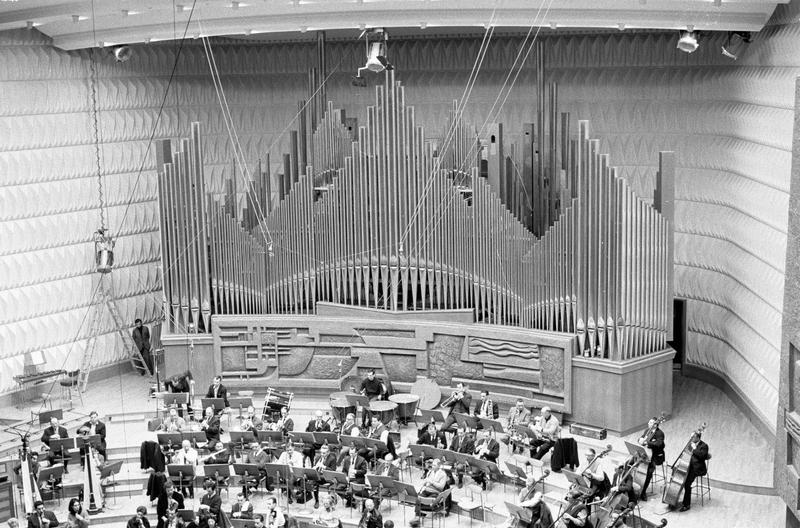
[(455, 395)]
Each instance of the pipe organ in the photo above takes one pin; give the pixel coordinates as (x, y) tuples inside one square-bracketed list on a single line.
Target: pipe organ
[(539, 234)]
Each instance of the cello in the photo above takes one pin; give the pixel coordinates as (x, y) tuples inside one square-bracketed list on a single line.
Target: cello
[(677, 479)]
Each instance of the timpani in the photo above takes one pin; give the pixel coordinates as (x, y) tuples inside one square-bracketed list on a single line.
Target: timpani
[(383, 409), (406, 407)]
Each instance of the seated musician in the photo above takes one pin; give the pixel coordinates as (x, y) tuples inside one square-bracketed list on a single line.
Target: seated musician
[(275, 518), (218, 390), (250, 420), (486, 408), (433, 484), (355, 467), (597, 477), (388, 468), (372, 388), (182, 382), (370, 517), (432, 437), (517, 415), (462, 442), (487, 448), (210, 506), (547, 430), (459, 402), (378, 431), (284, 424), (292, 458), (577, 516), (173, 520), (349, 426), (54, 430), (653, 439), (243, 508), (327, 518), (541, 517), (324, 460), (260, 457), (317, 425), (622, 483), (172, 423), (186, 455), (211, 426)]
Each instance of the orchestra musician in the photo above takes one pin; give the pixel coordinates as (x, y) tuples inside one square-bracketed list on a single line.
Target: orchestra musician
[(378, 431), (173, 423), (316, 425), (140, 519), (541, 517), (370, 517), (260, 457), (218, 390), (173, 520), (54, 430), (182, 382), (41, 518), (653, 439), (597, 477), (211, 426), (327, 518), (697, 467), (251, 421), (325, 460), (243, 508), (622, 483), (210, 506), (372, 388), (487, 448), (547, 430), (355, 467), (76, 515), (186, 455), (459, 402), (462, 442), (433, 484), (432, 437), (293, 458), (349, 426), (387, 468), (486, 408), (168, 499), (95, 427), (284, 424), (577, 516), (275, 518), (517, 415)]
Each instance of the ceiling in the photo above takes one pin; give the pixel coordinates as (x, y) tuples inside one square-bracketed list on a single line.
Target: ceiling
[(85, 23)]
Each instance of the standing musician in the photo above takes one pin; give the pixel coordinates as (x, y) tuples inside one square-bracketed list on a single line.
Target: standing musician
[(697, 468), (487, 448), (355, 467), (546, 429), (182, 382), (370, 517), (459, 402), (293, 458), (251, 421), (218, 390), (54, 430), (653, 439), (462, 443), (284, 424), (325, 460), (486, 408), (211, 427), (541, 517), (372, 388), (172, 423)]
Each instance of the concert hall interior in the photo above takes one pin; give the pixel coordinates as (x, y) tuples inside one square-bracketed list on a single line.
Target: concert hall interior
[(367, 263)]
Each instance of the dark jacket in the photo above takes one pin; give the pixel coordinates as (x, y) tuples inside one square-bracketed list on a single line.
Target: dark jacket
[(222, 393), (35, 522), (214, 504), (100, 429), (462, 406), (141, 336), (656, 445), (493, 449), (50, 431), (133, 522), (465, 445), (360, 469), (394, 471), (436, 440), (329, 463), (312, 426), (495, 410), (699, 457)]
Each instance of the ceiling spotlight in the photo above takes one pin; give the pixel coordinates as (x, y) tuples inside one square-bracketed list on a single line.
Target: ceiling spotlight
[(554, 25), (688, 42), (621, 26), (122, 53), (423, 25), (735, 43)]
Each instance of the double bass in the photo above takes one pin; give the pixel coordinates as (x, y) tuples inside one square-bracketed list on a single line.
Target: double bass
[(679, 470)]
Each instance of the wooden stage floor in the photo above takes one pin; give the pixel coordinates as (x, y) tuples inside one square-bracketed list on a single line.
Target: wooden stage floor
[(125, 402)]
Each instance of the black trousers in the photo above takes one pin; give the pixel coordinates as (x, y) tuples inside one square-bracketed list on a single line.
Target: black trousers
[(651, 467), (540, 447), (687, 487)]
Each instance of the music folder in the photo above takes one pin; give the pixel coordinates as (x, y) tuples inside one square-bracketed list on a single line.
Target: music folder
[(217, 403), (306, 473), (334, 477), (242, 437), (276, 437), (428, 416), (278, 469), (251, 470), (466, 421), (300, 436), (495, 425), (383, 481), (523, 514)]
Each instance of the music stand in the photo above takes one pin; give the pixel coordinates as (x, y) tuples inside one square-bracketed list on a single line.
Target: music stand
[(375, 445), (576, 478), (240, 403), (516, 471), (171, 440), (637, 450), (111, 471), (323, 437), (61, 448), (217, 403), (530, 433), (466, 421), (431, 416), (523, 514), (220, 474), (187, 515), (280, 471), (357, 441), (195, 437), (494, 425), (242, 523), (305, 474), (44, 416), (242, 439), (382, 483), (184, 473), (336, 478), (51, 475), (174, 399), (298, 436), (248, 474), (359, 401), (270, 436)]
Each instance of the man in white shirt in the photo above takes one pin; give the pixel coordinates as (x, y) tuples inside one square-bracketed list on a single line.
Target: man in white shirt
[(275, 518), (435, 482), (293, 458), (547, 428), (173, 423)]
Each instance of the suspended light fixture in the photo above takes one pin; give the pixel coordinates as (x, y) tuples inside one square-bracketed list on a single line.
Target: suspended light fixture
[(735, 43), (122, 53), (688, 41)]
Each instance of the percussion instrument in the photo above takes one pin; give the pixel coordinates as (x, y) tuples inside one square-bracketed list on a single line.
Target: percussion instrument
[(340, 408), (429, 393), (384, 410), (406, 406)]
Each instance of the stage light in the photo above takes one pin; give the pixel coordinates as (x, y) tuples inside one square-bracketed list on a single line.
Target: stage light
[(688, 42), (735, 43), (122, 53)]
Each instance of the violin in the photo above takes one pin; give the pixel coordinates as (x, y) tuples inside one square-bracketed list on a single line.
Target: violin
[(679, 471)]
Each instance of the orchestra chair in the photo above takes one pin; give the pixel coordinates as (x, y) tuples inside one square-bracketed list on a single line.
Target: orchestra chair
[(435, 505), (659, 476), (468, 505), (67, 384), (702, 486), (360, 494)]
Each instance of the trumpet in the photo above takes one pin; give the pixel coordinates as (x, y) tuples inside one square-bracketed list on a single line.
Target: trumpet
[(455, 395)]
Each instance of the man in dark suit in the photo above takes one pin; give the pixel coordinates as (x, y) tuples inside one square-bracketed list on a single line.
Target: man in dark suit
[(486, 408), (487, 448), (141, 337), (656, 445), (218, 390), (697, 468), (54, 430), (460, 402), (210, 505), (355, 467), (42, 518), (325, 460), (462, 443), (432, 437), (317, 425), (95, 427)]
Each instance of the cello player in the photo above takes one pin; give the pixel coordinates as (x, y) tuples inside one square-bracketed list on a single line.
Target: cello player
[(655, 443), (697, 468)]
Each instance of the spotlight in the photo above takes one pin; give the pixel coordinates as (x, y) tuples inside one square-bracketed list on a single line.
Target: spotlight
[(122, 53), (688, 42), (376, 52), (735, 43)]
